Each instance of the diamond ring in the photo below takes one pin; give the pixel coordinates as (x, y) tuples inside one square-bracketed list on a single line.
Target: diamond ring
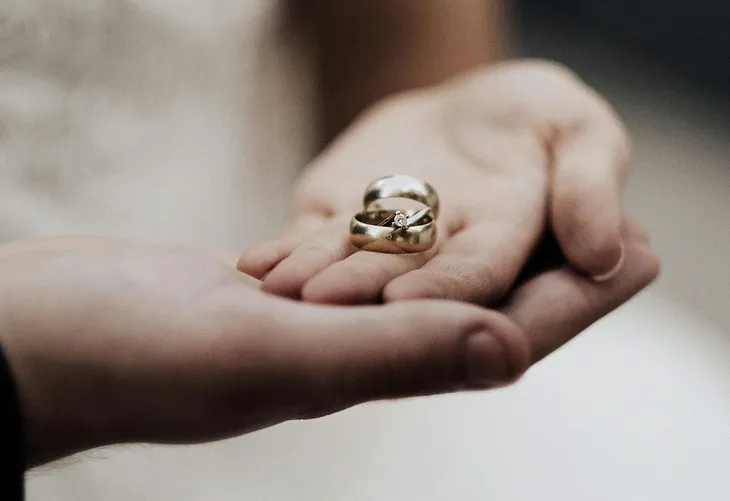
[(396, 231)]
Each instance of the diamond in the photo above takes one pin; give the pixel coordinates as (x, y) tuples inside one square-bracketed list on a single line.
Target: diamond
[(400, 220)]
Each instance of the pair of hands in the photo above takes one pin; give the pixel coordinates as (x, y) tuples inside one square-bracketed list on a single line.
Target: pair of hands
[(113, 341)]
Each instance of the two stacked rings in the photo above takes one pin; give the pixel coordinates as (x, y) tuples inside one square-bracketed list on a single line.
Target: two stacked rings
[(396, 231)]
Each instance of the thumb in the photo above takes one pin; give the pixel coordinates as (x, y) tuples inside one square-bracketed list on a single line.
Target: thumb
[(339, 357)]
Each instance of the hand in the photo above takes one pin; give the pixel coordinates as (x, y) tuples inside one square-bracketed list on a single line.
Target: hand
[(112, 341), (509, 148)]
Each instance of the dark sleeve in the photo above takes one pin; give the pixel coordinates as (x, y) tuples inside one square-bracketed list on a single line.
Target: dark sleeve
[(12, 450)]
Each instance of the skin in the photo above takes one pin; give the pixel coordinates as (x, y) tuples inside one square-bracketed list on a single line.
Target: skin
[(114, 342), (515, 149), (370, 49)]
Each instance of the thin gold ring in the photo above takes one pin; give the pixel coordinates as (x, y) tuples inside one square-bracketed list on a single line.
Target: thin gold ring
[(387, 232), (401, 186)]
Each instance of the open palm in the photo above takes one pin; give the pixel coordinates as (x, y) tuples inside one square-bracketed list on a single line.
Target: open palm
[(513, 150)]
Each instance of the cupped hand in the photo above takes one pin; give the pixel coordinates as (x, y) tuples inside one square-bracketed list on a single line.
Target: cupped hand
[(113, 341), (513, 150)]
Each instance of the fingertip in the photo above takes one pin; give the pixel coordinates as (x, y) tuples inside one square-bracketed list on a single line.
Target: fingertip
[(311, 259), (463, 346), (555, 306), (638, 268), (594, 246), (601, 261), (407, 349), (497, 355), (260, 258), (285, 282), (643, 261), (604, 277), (637, 236), (615, 249), (470, 324)]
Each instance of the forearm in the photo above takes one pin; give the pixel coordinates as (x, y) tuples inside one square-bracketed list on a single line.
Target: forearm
[(372, 48)]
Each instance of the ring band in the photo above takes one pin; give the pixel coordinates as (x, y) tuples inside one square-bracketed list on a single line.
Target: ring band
[(368, 231), (401, 186)]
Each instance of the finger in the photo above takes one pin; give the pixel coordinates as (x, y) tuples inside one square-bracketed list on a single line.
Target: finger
[(360, 278), (229, 260), (226, 258), (261, 258), (347, 356), (330, 245), (590, 165), (478, 265), (556, 305)]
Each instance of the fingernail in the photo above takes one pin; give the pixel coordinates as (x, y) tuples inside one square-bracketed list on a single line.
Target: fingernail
[(486, 361), (615, 270)]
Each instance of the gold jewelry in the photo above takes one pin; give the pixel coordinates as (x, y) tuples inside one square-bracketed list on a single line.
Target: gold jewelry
[(401, 186), (400, 231), (391, 232)]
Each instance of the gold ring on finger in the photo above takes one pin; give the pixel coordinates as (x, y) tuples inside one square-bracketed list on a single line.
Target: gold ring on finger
[(393, 232), (403, 187)]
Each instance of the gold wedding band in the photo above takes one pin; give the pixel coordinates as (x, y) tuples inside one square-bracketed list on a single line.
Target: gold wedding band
[(396, 231), (417, 233), (401, 186)]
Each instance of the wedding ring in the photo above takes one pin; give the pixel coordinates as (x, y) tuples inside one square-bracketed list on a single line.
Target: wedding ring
[(394, 232), (401, 186)]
